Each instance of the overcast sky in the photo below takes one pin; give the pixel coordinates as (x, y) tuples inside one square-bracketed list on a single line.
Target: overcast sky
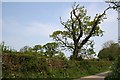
[(31, 23)]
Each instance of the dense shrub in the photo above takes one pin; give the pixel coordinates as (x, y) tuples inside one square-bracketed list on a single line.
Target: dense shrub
[(115, 75), (22, 64)]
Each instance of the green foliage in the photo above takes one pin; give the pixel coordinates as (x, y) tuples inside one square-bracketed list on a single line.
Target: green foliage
[(34, 66), (23, 63), (110, 51), (115, 75), (6, 49), (50, 49), (60, 55), (77, 31), (26, 49), (37, 48)]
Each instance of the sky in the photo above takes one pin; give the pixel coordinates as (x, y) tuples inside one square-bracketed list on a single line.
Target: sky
[(0, 21), (31, 23), (119, 25)]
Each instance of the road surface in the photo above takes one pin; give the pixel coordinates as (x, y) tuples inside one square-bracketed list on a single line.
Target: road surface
[(99, 76)]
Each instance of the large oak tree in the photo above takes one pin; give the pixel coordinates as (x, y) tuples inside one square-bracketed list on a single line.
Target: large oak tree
[(78, 30)]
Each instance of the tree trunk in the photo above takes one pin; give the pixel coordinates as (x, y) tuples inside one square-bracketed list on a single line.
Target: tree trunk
[(75, 54)]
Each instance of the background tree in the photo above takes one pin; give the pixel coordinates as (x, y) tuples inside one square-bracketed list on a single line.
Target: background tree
[(110, 51), (2, 45), (108, 44), (50, 49), (26, 49), (37, 48), (6, 49)]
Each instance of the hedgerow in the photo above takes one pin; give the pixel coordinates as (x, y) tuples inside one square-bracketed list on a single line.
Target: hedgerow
[(35, 66)]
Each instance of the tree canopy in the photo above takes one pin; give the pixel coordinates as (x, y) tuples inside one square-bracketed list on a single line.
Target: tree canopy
[(77, 31)]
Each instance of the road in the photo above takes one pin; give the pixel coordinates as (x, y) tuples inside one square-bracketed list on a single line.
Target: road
[(99, 76)]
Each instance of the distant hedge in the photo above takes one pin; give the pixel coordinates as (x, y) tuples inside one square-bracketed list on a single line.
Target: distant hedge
[(35, 66)]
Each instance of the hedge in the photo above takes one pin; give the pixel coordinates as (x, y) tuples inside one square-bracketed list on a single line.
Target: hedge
[(32, 66)]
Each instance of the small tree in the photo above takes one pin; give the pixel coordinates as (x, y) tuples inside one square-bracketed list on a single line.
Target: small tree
[(37, 48), (50, 49), (26, 49)]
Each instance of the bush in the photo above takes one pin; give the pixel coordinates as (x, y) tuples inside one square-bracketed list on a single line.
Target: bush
[(14, 64), (115, 75)]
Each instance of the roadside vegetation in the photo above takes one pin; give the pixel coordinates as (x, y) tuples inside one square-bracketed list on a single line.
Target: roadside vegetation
[(30, 63), (48, 60), (27, 65), (115, 67)]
